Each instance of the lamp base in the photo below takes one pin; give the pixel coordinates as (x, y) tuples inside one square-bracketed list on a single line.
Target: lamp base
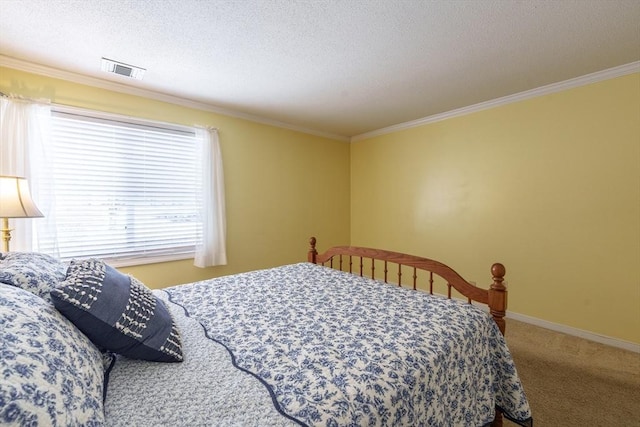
[(6, 234)]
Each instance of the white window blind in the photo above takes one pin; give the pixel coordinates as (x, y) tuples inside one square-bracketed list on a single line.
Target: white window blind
[(122, 190)]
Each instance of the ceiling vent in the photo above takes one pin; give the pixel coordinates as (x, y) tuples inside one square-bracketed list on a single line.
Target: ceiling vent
[(126, 70)]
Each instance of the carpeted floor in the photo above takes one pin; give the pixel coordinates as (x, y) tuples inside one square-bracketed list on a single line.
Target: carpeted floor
[(575, 382)]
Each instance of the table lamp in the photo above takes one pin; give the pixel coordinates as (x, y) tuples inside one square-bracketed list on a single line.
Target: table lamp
[(15, 202)]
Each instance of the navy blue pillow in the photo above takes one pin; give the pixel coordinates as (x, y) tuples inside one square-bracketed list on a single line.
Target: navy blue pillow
[(117, 312)]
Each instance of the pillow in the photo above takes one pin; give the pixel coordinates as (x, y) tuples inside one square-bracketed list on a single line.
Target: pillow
[(50, 373), (117, 312), (34, 272)]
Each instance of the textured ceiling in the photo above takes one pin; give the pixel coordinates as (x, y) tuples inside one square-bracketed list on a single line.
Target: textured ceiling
[(341, 67)]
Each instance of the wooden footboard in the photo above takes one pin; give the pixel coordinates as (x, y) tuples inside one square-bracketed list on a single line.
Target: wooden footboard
[(397, 265)]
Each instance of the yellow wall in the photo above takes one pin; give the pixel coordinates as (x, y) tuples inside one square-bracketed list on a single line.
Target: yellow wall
[(282, 186), (548, 186)]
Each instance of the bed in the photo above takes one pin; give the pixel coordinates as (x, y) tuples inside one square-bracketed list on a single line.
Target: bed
[(352, 337)]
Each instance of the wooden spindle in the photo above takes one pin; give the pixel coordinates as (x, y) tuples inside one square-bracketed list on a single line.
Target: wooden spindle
[(385, 271)]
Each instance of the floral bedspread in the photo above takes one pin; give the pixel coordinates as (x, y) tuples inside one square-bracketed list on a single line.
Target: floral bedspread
[(333, 349), (204, 390)]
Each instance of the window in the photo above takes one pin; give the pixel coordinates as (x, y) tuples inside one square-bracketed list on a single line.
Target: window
[(122, 189)]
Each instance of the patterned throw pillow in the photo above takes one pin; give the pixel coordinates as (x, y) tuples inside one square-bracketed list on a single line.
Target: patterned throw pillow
[(50, 373), (34, 272), (117, 312)]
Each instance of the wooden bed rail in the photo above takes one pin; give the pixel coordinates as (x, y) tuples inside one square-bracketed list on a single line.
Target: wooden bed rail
[(495, 297)]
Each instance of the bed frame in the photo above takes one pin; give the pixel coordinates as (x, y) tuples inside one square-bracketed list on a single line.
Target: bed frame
[(495, 297)]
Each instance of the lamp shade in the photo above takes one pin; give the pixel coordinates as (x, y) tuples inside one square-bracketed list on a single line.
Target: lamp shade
[(15, 198)]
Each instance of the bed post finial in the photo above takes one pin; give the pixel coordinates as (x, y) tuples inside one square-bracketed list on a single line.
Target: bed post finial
[(498, 295), (498, 271), (311, 255)]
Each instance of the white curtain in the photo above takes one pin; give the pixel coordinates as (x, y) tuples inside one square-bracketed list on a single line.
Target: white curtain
[(212, 250), (24, 140)]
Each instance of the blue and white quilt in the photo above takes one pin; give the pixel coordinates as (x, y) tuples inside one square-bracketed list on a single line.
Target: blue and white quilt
[(307, 345)]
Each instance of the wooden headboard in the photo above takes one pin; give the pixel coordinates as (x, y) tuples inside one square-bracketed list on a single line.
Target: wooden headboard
[(342, 258)]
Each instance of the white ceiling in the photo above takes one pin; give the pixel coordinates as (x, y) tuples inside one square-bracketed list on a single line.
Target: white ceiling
[(339, 67)]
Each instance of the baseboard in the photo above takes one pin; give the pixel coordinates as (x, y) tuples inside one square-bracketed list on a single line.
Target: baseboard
[(557, 327), (602, 339)]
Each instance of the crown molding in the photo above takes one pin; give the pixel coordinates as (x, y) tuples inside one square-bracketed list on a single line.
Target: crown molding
[(29, 67), (598, 76)]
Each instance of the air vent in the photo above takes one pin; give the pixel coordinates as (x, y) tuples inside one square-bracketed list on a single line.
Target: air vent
[(126, 70)]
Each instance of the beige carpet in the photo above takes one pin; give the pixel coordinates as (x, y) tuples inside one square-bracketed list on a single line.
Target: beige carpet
[(574, 382)]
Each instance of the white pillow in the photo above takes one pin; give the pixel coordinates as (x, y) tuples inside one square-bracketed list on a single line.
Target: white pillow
[(35, 272), (50, 373)]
